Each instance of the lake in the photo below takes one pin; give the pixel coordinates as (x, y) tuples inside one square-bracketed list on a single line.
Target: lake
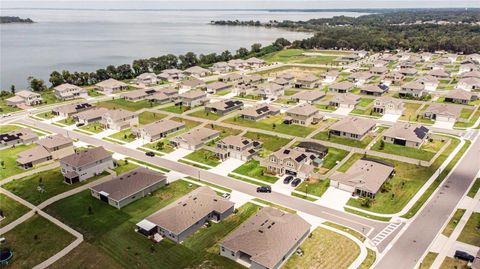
[(85, 40)]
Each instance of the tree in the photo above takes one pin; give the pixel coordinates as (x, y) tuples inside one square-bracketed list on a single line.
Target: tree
[(90, 210), (160, 145), (282, 42), (242, 53), (188, 60), (12, 89), (2, 163), (366, 201), (382, 144), (36, 85), (56, 79), (256, 47)]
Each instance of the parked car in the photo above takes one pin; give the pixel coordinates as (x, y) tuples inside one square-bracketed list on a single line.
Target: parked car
[(80, 124), (462, 255), (150, 153), (296, 181), (264, 189), (287, 179), (226, 195)]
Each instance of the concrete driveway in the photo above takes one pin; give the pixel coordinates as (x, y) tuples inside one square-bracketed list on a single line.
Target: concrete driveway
[(227, 166), (444, 124), (390, 117), (178, 154), (334, 198), (342, 111)]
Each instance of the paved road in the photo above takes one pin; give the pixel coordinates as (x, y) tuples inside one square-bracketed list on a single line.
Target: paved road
[(355, 222), (411, 245)]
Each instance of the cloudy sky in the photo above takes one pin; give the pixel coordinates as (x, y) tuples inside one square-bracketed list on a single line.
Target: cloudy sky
[(237, 4)]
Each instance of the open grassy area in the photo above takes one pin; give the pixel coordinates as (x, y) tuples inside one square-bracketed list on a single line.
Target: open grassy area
[(325, 249), (428, 260), (49, 97), (334, 155), (8, 157), (408, 179), (95, 127), (204, 115), (203, 156), (469, 123), (125, 135), (189, 124), (67, 121), (175, 109), (296, 56), (409, 111), (125, 104), (270, 142), (45, 115), (209, 184), (474, 189), (124, 166), (274, 124), (314, 187), (344, 141), (426, 151), (86, 255), (41, 186), (453, 222), (94, 93), (451, 263), (34, 241), (370, 216), (147, 117), (110, 231), (470, 233), (8, 128), (11, 209), (253, 169), (358, 235)]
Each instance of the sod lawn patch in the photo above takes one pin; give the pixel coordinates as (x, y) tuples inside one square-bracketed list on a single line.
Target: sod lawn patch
[(205, 114), (8, 128), (426, 151), (203, 156), (274, 124), (124, 166), (314, 187), (474, 189), (270, 142), (175, 109), (11, 209), (471, 232), (253, 169), (344, 141), (125, 135), (95, 127), (125, 104), (147, 117), (8, 161), (453, 222), (428, 260)]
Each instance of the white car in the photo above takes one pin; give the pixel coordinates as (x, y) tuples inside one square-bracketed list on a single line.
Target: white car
[(226, 195)]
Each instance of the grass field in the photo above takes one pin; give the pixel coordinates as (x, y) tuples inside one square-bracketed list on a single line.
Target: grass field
[(125, 135), (189, 124), (470, 233), (175, 109), (409, 112), (12, 210), (267, 203), (8, 157), (203, 156), (34, 241), (334, 155), (94, 258), (253, 169), (274, 124), (125, 104), (67, 121), (41, 186), (110, 231), (45, 115), (4, 108), (453, 222), (369, 260), (426, 152), (147, 117), (325, 249), (204, 115), (358, 235), (469, 123)]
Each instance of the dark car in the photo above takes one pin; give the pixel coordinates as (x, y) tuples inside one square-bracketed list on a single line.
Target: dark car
[(287, 179), (150, 153), (264, 189), (462, 255), (80, 124), (296, 181)]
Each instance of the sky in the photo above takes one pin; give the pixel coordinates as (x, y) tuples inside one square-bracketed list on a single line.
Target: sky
[(238, 4)]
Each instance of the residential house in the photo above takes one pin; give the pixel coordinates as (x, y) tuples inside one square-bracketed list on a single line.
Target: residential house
[(221, 67), (22, 136), (393, 78), (196, 71), (307, 81), (237, 64), (192, 98), (465, 68), (163, 95), (439, 73), (414, 89), (460, 96), (69, 110), (215, 87), (388, 105), (90, 116), (443, 112), (255, 62), (344, 100), (308, 97), (119, 119), (190, 84), (232, 77), (258, 112), (34, 156), (128, 187), (288, 76), (49, 148), (138, 95), (24, 98), (303, 114), (270, 91), (360, 78), (223, 107), (157, 130), (330, 76), (375, 90), (469, 84), (111, 85), (171, 75), (350, 57), (352, 128), (380, 63), (364, 178), (85, 164), (186, 215), (147, 79), (68, 91), (341, 87), (237, 147), (281, 82), (430, 82), (378, 70), (406, 134), (266, 240), (296, 161), (194, 138), (408, 71)]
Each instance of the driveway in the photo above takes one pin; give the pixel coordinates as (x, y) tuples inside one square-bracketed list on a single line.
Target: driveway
[(334, 198), (174, 176), (280, 187), (390, 117), (135, 144), (177, 154), (227, 166), (343, 111), (105, 133), (239, 198), (444, 124)]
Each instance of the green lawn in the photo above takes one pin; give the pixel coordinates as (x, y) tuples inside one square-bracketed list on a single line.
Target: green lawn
[(364, 102), (453, 222), (408, 179), (11, 209), (95, 127), (110, 230), (175, 109), (325, 249), (147, 117), (253, 169), (465, 113), (189, 124), (8, 157), (470, 233), (203, 156), (317, 187), (334, 155), (426, 152), (67, 121), (94, 93), (356, 234), (41, 186), (270, 142), (409, 112), (125, 104), (124, 166), (267, 203), (224, 132), (344, 141), (45, 115), (34, 241), (8, 128), (469, 123), (274, 124), (428, 260), (205, 115), (4, 108), (474, 189), (49, 98), (125, 135)]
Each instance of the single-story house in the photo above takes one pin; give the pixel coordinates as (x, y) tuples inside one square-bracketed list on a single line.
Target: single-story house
[(215, 87), (406, 134), (375, 90), (460, 96), (69, 110), (341, 87), (147, 79), (90, 116), (196, 71), (157, 130), (307, 81), (388, 105), (111, 85), (22, 136), (352, 127), (194, 138), (443, 112), (258, 112), (192, 98), (223, 107), (344, 100), (309, 97)]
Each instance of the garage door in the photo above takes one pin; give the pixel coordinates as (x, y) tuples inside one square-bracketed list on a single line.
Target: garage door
[(401, 142), (445, 118)]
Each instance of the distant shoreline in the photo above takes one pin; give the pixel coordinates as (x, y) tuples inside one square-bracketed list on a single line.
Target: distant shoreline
[(14, 19)]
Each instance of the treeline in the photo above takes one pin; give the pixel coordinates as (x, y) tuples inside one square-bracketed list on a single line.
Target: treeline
[(156, 65), (12, 19)]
